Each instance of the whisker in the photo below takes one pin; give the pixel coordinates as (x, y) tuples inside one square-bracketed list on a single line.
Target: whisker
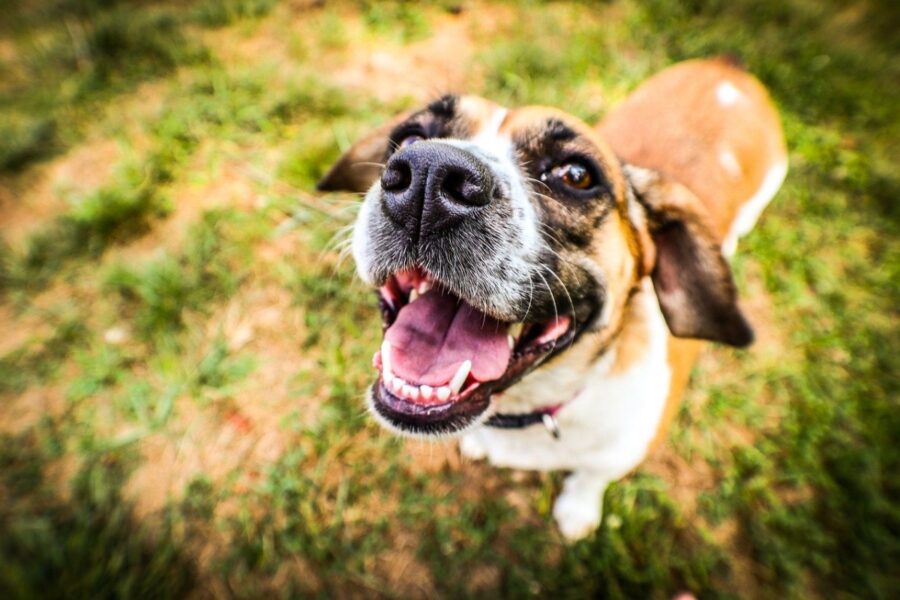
[(540, 183), (566, 290), (552, 299), (530, 295)]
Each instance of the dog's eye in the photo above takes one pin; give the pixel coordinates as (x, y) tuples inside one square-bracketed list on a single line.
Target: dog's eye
[(574, 175), (410, 139)]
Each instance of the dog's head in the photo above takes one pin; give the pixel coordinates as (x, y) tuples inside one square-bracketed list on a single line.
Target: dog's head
[(498, 238)]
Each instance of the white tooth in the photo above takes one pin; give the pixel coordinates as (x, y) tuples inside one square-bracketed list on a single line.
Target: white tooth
[(512, 341), (424, 287), (413, 295), (397, 384), (427, 391), (443, 393), (460, 378), (515, 330), (386, 365)]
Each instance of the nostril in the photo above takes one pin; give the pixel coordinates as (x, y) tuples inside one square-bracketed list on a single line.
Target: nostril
[(397, 176), (464, 188)]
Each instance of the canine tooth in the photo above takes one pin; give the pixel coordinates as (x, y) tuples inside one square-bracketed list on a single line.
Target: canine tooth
[(397, 384), (515, 330), (413, 295), (443, 393), (424, 287), (460, 378), (386, 364), (512, 341), (427, 391)]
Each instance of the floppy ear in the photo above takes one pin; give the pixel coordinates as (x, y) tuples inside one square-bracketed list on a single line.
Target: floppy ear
[(360, 166), (693, 281)]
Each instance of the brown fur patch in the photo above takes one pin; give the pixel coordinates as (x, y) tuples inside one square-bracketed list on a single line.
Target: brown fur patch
[(675, 123), (682, 354)]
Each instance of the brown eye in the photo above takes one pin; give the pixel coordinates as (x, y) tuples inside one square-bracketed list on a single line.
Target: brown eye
[(574, 175)]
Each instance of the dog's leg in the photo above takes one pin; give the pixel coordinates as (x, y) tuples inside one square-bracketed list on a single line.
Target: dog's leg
[(579, 507)]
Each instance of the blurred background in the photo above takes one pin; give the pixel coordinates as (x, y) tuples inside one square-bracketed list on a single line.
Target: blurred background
[(183, 346)]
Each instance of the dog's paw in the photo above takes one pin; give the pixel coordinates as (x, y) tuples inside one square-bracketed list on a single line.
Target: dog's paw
[(472, 448), (579, 508), (576, 517)]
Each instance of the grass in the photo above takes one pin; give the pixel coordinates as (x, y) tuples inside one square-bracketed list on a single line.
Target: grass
[(187, 344), (61, 551), (73, 55)]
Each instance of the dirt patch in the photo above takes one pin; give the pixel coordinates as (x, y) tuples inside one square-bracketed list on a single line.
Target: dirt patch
[(686, 481), (757, 305), (230, 185), (23, 411), (404, 574), (17, 329), (384, 69), (45, 191), (12, 73), (30, 200), (242, 431), (426, 69)]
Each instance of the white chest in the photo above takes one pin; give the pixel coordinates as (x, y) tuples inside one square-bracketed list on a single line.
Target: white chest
[(608, 425)]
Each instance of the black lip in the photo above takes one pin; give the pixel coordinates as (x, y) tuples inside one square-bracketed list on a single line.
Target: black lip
[(433, 419), (452, 417)]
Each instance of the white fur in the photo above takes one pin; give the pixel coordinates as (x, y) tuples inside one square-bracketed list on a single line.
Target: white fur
[(730, 162), (494, 123), (752, 208), (496, 150), (727, 93), (362, 253), (606, 427)]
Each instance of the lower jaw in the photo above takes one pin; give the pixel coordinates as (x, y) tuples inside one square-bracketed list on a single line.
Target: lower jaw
[(409, 418)]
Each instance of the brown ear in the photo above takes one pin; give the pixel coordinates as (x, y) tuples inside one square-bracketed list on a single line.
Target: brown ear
[(360, 166), (693, 281)]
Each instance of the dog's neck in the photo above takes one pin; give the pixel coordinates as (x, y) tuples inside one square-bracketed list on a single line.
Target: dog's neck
[(595, 356)]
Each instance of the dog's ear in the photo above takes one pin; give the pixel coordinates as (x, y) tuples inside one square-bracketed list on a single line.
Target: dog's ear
[(360, 166), (693, 281)]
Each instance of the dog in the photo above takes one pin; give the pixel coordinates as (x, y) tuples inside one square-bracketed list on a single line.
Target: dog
[(544, 285)]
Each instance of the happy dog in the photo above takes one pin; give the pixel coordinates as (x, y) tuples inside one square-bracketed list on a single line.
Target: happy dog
[(534, 271)]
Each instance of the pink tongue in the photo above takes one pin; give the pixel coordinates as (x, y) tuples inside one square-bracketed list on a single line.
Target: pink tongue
[(435, 334)]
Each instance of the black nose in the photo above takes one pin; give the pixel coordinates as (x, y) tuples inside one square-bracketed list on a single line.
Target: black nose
[(430, 187)]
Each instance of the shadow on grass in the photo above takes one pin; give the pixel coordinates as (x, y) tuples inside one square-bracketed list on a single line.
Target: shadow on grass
[(86, 546)]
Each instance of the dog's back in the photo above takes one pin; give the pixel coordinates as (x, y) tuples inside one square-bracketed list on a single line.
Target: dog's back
[(711, 126)]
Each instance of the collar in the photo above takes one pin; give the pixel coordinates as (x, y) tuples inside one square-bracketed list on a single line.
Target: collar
[(546, 416)]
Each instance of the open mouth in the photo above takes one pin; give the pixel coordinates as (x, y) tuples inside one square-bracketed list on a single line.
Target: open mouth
[(442, 358)]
